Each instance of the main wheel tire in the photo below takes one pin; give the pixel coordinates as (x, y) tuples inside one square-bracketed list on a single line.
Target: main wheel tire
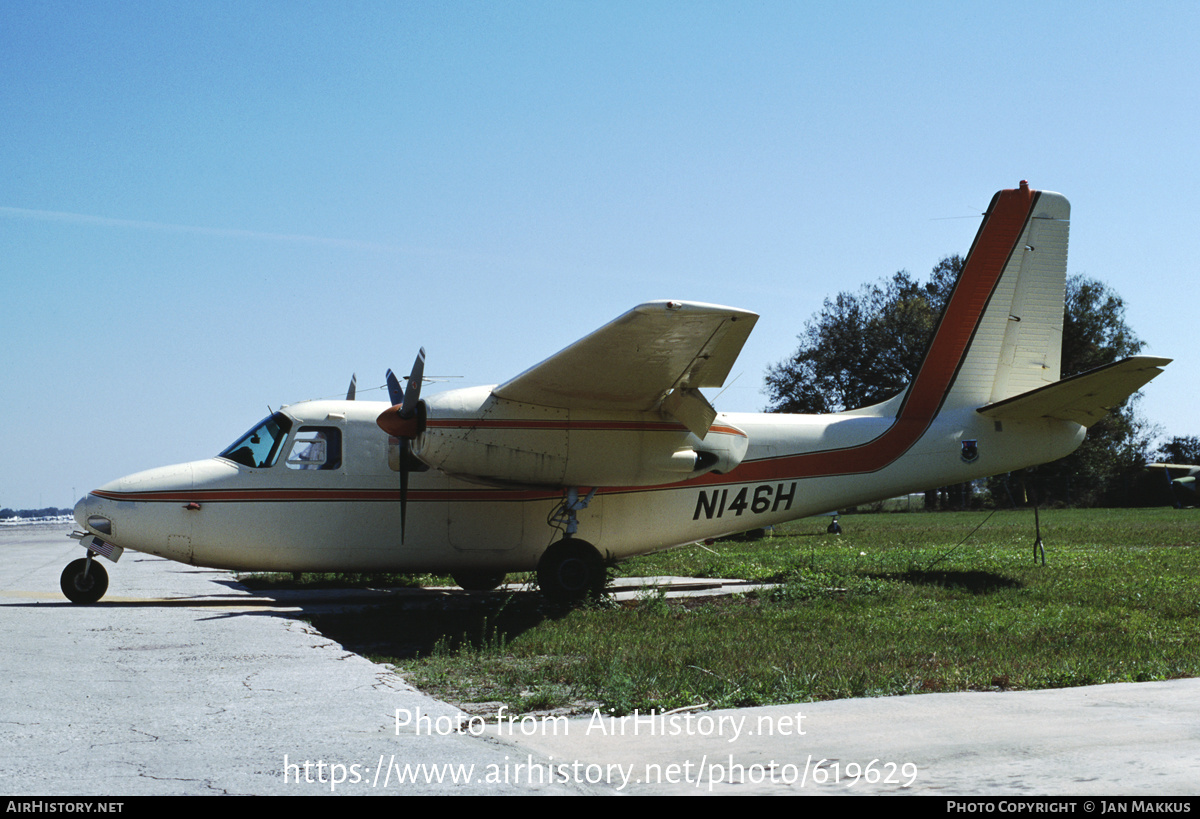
[(571, 570), (80, 588), (478, 581)]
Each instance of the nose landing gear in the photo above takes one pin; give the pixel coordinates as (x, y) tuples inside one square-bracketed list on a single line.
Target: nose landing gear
[(84, 580)]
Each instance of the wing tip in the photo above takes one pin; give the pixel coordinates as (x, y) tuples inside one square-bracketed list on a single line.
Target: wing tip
[(695, 307)]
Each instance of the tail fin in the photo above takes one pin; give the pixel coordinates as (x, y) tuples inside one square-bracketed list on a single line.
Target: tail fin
[(997, 348), (1001, 332)]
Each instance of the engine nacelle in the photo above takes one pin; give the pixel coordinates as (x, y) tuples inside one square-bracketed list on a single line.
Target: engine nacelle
[(473, 435)]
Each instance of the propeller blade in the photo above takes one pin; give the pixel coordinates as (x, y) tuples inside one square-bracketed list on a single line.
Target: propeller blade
[(395, 394), (412, 392), (403, 485)]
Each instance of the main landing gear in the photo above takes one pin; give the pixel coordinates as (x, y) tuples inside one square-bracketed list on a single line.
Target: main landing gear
[(571, 569), (84, 580)]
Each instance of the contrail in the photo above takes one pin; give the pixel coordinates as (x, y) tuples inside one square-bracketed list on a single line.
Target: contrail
[(86, 219)]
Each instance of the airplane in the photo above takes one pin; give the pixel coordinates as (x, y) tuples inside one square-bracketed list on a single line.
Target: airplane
[(608, 449), (1181, 481)]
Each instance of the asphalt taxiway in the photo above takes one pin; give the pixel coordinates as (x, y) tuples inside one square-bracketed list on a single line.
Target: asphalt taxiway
[(182, 682)]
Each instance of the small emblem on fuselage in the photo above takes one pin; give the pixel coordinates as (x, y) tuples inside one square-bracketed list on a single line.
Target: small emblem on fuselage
[(970, 451)]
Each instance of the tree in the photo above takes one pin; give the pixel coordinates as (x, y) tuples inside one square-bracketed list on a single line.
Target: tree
[(862, 348), (1179, 450)]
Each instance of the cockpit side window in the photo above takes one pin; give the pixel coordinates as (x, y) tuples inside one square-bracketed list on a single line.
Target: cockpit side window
[(259, 447), (316, 448)]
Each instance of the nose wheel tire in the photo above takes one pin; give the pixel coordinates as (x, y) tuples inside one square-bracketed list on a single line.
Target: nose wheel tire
[(82, 584), (571, 570)]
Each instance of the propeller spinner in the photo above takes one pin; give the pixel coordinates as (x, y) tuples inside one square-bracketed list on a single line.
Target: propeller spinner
[(405, 419)]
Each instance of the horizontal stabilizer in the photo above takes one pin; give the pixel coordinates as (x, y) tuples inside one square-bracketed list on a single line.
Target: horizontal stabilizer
[(1084, 398)]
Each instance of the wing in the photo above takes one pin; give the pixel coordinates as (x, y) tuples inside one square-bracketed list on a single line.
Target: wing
[(1177, 471), (1084, 398), (633, 362)]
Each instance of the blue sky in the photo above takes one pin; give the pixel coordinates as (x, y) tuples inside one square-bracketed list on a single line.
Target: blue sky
[(209, 208)]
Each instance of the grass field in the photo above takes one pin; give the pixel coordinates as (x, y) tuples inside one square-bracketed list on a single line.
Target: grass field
[(898, 604)]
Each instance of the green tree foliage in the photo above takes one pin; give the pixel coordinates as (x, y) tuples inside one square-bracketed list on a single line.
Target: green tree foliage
[(1179, 450), (862, 348)]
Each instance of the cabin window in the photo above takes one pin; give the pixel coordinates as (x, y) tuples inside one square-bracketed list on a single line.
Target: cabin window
[(316, 448), (259, 447)]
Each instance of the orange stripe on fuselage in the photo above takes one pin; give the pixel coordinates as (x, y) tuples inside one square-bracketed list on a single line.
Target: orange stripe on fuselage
[(571, 426), (285, 495)]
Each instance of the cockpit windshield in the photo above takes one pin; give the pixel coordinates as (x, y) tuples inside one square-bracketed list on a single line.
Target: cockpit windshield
[(259, 447)]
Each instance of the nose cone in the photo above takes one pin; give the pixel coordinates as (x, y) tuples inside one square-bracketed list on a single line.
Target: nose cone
[(132, 511), (91, 513), (81, 511)]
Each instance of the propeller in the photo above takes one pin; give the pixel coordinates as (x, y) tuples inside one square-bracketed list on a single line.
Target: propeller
[(405, 419)]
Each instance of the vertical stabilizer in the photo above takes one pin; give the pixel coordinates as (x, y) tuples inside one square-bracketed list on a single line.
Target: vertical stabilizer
[(1001, 332), (1025, 313)]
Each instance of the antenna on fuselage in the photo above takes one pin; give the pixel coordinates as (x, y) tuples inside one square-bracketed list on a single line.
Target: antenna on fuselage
[(353, 385)]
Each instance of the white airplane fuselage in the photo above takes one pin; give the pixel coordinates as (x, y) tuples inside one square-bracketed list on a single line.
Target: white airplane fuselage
[(222, 514)]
